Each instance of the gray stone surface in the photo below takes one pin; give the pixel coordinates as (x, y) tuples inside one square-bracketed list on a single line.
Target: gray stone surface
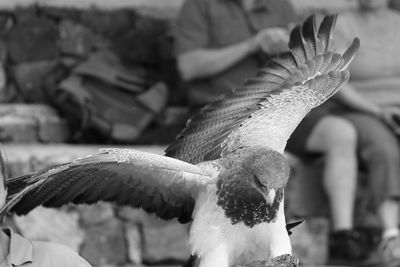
[(155, 8), (310, 241), (105, 243), (31, 123), (134, 240), (165, 240), (96, 213), (54, 225), (133, 215), (17, 129)]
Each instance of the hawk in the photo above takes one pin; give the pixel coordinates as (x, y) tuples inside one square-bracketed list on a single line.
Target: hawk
[(229, 171)]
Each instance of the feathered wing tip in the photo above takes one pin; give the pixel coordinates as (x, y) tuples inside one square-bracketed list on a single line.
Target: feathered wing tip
[(158, 184), (310, 56), (18, 187)]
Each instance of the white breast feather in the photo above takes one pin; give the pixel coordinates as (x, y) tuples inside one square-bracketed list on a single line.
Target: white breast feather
[(219, 243)]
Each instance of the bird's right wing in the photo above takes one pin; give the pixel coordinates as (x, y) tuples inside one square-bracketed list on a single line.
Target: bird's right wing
[(158, 184), (268, 107)]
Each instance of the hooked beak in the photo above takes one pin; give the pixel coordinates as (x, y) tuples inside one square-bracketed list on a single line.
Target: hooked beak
[(271, 196)]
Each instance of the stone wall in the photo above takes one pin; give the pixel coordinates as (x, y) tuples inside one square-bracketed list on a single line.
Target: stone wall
[(155, 8)]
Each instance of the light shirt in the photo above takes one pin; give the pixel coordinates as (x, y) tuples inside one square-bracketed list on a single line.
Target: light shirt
[(213, 24), (27, 253)]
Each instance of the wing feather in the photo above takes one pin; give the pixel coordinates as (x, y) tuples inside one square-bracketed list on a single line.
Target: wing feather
[(156, 183), (267, 107)]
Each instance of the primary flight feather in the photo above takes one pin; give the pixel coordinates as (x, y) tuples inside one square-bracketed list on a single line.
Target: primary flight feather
[(229, 173)]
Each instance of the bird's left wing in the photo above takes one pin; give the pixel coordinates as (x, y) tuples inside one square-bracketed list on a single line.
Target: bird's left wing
[(158, 184)]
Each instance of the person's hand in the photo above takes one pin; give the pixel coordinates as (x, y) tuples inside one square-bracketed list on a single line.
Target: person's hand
[(271, 40), (391, 116)]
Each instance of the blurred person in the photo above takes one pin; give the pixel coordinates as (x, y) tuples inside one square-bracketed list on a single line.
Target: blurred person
[(371, 103), (374, 91), (219, 43), (16, 250)]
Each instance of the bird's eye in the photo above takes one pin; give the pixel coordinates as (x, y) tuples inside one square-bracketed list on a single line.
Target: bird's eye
[(257, 182)]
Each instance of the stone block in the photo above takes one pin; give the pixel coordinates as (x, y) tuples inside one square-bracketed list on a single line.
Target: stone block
[(17, 129), (310, 241), (132, 215), (155, 8), (134, 239), (96, 213), (164, 241), (31, 123), (18, 167), (54, 225), (105, 243)]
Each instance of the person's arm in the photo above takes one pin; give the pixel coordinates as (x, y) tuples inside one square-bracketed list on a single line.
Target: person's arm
[(352, 99), (205, 62)]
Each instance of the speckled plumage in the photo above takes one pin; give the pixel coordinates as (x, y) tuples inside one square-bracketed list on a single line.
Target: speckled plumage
[(244, 183)]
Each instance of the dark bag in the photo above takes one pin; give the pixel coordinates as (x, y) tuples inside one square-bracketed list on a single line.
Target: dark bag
[(101, 95)]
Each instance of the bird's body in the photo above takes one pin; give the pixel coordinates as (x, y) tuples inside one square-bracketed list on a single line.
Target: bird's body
[(228, 171), (213, 237), (228, 229)]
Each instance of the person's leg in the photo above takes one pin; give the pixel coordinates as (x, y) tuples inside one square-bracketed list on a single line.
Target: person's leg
[(336, 139), (379, 152)]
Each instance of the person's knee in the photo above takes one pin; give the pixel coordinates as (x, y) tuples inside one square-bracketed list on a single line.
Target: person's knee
[(333, 134), (381, 150), (342, 133)]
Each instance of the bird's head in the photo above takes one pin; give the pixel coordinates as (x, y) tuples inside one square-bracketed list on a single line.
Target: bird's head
[(250, 190), (269, 170)]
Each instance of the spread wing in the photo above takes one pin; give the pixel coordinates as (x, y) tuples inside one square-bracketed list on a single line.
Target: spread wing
[(267, 108), (158, 184)]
